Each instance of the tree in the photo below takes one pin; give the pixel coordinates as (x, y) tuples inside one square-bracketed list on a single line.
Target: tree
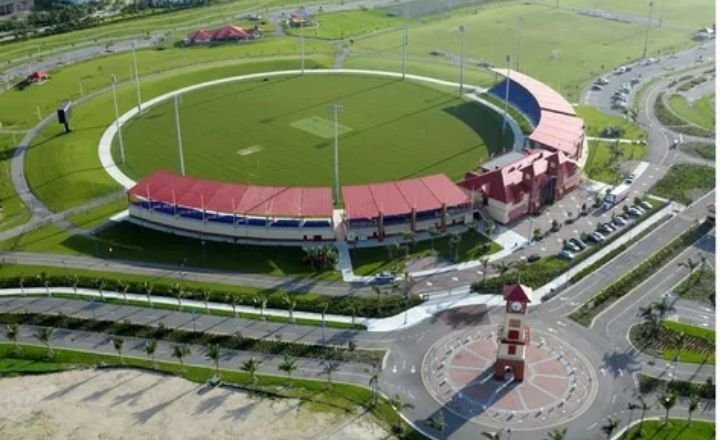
[(44, 335), (213, 352), (150, 348), (148, 288), (206, 298), (690, 265), (537, 234), (609, 427), (680, 339), (557, 434), (101, 285), (179, 352), (398, 405), (374, 383), (329, 367), (643, 409), (502, 267), (455, 246), (662, 307), (288, 365), (409, 240), (492, 435), (434, 233), (261, 301), (520, 266), (233, 300), (290, 303), (693, 404), (125, 287), (251, 366), (74, 281), (555, 225), (179, 292), (324, 311), (12, 331), (668, 401), (118, 343), (485, 262), (45, 280), (438, 421)]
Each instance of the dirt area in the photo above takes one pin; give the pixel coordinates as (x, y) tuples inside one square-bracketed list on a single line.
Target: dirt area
[(129, 404)]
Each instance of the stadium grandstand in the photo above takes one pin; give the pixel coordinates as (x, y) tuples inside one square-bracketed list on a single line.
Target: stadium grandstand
[(171, 201), (521, 183), (425, 203)]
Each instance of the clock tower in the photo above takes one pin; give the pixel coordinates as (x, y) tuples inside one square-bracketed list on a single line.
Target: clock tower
[(514, 334)]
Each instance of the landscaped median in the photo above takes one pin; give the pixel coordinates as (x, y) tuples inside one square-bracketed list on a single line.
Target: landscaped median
[(673, 340), (587, 312), (648, 384), (343, 396)]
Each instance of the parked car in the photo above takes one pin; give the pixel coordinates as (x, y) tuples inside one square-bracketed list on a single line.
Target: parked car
[(566, 255), (578, 243), (571, 247), (384, 278), (634, 212), (639, 208), (611, 226), (619, 221), (596, 237), (533, 258), (596, 87), (635, 81), (602, 81), (606, 229), (646, 205)]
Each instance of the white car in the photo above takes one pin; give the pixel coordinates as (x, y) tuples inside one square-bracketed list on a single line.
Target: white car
[(602, 81), (634, 212), (639, 208), (646, 205), (619, 221)]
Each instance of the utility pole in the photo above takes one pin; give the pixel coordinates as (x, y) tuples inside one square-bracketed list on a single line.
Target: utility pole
[(662, 13), (507, 93), (113, 78), (137, 77), (405, 42), (335, 109), (302, 46), (462, 60), (518, 31), (647, 30), (179, 136)]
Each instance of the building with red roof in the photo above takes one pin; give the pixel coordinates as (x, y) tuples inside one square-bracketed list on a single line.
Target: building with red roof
[(224, 34), (38, 76)]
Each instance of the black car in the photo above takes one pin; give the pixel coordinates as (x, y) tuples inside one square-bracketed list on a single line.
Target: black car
[(533, 258)]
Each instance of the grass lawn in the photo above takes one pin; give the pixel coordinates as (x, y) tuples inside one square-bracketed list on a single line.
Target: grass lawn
[(368, 261), (706, 151), (600, 164), (685, 183), (64, 170), (676, 429), (126, 241), (698, 285), (13, 211), (97, 216), (700, 112), (341, 25), (596, 121), (560, 46), (691, 330), (391, 129)]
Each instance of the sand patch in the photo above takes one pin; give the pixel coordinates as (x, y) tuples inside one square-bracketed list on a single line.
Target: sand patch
[(130, 404)]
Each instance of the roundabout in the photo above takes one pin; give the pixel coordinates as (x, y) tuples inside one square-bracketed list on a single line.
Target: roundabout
[(560, 384)]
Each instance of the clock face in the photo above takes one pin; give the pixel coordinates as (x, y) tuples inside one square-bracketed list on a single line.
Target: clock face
[(515, 306)]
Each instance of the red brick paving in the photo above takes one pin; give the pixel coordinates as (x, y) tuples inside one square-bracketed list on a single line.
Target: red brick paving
[(551, 367)]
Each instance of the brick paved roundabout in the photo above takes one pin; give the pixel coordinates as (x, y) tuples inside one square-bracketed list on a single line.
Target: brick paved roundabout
[(560, 383)]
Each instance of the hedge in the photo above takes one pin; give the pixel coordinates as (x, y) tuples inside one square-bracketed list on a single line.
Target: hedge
[(366, 306), (161, 332), (635, 277)]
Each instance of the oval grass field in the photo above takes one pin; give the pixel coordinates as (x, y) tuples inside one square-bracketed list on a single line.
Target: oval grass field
[(280, 132)]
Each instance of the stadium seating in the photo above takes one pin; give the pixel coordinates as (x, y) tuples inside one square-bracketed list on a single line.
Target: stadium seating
[(519, 98)]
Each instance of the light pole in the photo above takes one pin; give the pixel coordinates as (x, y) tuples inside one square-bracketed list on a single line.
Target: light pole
[(647, 30), (117, 119), (507, 93), (462, 60), (662, 12), (302, 46), (179, 136), (137, 77), (518, 30), (335, 109), (405, 42)]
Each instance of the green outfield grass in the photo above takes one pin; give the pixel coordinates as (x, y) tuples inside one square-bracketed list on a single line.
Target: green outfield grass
[(559, 46), (700, 112), (340, 25), (13, 211), (600, 163), (676, 429), (256, 131), (597, 121), (99, 215)]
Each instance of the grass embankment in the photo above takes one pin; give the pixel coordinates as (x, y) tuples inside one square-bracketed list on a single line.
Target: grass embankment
[(599, 124), (706, 151), (606, 158), (11, 276), (685, 182), (698, 346), (700, 112), (129, 242), (339, 396), (675, 122), (585, 313), (346, 24), (13, 211), (159, 331), (472, 246), (675, 429), (698, 285)]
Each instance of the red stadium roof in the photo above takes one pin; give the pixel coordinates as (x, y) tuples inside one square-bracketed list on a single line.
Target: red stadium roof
[(547, 98), (265, 201), (559, 131), (401, 197)]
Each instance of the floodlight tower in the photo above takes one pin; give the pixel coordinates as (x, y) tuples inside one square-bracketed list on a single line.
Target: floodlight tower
[(335, 109), (137, 77), (113, 78), (647, 29), (507, 93), (462, 60), (179, 136), (405, 41), (302, 47)]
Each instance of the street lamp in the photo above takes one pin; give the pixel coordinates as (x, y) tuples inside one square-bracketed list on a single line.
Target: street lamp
[(462, 59), (137, 77), (117, 119), (647, 30), (507, 93), (335, 109)]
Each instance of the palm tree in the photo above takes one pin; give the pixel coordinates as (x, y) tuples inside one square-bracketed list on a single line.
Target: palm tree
[(492, 435), (74, 281), (668, 401), (213, 352), (643, 408), (150, 348), (609, 427), (690, 264), (45, 280), (125, 287), (680, 338), (557, 434), (148, 288), (693, 404), (290, 303), (485, 262), (118, 343), (233, 301), (44, 335), (261, 301), (206, 298), (398, 405), (520, 265), (374, 383), (179, 352), (329, 368), (179, 292), (21, 282), (353, 310), (101, 286), (288, 365), (502, 267), (322, 315), (662, 307), (251, 366), (11, 332)]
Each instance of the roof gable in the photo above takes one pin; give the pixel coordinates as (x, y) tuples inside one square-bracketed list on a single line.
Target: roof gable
[(517, 292)]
